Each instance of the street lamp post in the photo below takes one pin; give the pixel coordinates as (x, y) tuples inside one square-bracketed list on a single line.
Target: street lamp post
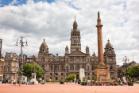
[(21, 43)]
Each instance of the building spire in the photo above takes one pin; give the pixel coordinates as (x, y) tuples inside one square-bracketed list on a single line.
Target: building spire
[(75, 38), (75, 25), (66, 50), (87, 50)]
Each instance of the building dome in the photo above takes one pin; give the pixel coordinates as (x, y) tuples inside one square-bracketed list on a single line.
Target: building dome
[(109, 50), (108, 45), (44, 47)]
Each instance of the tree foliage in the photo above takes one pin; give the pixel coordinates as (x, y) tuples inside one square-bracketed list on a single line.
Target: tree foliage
[(133, 72), (71, 77), (30, 68)]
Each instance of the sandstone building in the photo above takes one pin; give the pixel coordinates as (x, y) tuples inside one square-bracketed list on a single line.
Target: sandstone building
[(1, 68), (1, 62), (11, 67), (57, 67)]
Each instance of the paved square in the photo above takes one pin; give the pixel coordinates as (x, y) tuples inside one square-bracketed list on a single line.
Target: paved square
[(66, 88)]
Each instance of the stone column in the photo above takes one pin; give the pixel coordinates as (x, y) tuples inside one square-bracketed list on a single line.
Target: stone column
[(100, 40)]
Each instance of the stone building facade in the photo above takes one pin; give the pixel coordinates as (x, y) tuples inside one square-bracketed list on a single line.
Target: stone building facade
[(0, 48), (1, 68), (57, 67), (110, 59), (1, 62), (11, 67)]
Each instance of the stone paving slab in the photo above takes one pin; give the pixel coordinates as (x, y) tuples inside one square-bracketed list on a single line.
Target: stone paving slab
[(66, 88)]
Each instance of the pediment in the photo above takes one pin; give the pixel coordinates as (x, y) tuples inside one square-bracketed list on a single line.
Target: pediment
[(77, 53)]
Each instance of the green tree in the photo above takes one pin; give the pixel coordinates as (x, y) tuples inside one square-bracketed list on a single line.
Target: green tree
[(30, 68), (71, 77), (133, 72)]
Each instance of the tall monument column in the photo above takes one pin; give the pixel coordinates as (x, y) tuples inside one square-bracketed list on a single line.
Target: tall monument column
[(102, 72), (100, 40)]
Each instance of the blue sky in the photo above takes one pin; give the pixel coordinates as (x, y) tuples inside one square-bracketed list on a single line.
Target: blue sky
[(7, 2), (20, 2)]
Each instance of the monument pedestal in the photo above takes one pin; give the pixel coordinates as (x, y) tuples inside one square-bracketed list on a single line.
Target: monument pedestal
[(102, 73)]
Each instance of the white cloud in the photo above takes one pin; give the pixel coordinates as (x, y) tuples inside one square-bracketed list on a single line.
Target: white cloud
[(53, 21)]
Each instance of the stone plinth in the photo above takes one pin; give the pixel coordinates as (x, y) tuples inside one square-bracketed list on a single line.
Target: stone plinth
[(102, 73)]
